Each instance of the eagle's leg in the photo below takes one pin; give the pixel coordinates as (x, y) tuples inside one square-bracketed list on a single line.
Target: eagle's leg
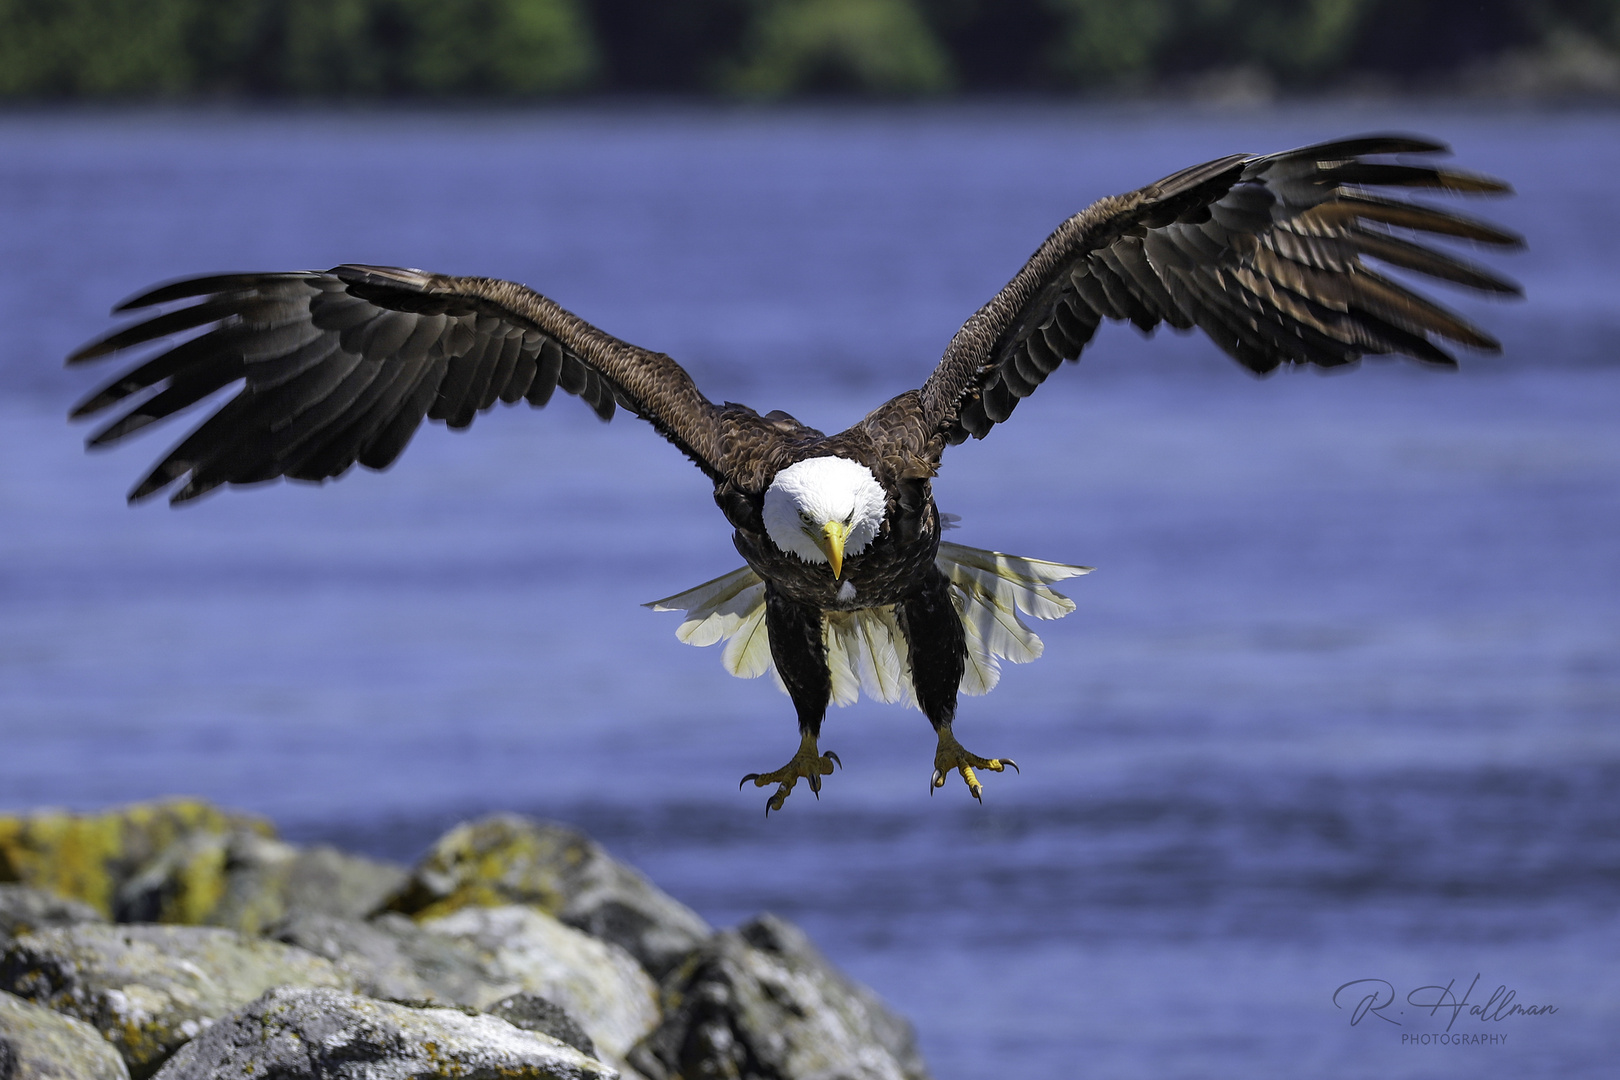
[(800, 654), (938, 647)]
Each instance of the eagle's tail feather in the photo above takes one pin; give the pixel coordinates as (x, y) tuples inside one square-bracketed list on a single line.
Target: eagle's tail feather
[(989, 589), (866, 651), (865, 648)]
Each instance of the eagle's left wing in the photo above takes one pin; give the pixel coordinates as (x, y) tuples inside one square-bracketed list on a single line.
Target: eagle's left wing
[(1264, 254)]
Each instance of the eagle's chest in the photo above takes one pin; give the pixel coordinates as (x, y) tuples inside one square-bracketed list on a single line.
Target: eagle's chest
[(886, 572)]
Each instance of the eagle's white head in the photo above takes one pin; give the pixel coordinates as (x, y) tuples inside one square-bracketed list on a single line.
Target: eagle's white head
[(822, 509)]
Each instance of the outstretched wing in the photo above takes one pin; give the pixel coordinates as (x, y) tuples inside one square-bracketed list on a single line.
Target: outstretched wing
[(343, 366), (1264, 254)]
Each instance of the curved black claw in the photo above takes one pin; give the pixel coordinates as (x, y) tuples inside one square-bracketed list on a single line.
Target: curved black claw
[(953, 757), (807, 764), (815, 778), (775, 801)]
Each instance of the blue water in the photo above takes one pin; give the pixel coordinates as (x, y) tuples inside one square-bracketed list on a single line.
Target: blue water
[(1339, 703)]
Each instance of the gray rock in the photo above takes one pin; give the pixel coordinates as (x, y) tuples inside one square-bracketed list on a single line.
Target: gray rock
[(148, 989), (23, 909), (392, 957), (38, 1044), (599, 984), (243, 880), (327, 881), (531, 1012), (304, 1034), (761, 1003), (508, 859)]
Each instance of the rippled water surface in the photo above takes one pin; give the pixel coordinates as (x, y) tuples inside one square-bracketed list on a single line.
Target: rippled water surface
[(1340, 702)]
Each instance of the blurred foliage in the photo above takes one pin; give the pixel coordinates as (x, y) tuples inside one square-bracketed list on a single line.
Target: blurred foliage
[(1108, 41), (1303, 42), (672, 46), (1114, 42), (755, 48), (294, 48), (491, 46), (93, 48), (879, 47)]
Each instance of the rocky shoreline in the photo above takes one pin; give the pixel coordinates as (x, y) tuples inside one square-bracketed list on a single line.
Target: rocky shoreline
[(179, 941)]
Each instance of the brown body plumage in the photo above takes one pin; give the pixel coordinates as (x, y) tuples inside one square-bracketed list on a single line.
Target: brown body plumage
[(1264, 254)]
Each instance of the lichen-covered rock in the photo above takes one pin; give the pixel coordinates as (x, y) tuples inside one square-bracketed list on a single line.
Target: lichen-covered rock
[(599, 984), (531, 1012), (148, 989), (304, 1034), (182, 884), (23, 909), (508, 859), (760, 1003), (89, 856), (38, 1044), (245, 881), (393, 957)]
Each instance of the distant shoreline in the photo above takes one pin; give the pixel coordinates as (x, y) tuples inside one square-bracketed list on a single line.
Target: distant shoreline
[(1184, 98)]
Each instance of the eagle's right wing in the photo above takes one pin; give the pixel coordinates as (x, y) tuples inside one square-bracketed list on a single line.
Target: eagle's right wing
[(343, 366), (1264, 254)]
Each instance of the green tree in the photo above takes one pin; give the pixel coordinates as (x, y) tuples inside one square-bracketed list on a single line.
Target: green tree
[(758, 48), (330, 48), (1110, 41), (319, 48), (518, 47), (1308, 39), (880, 47), (1133, 41), (93, 48)]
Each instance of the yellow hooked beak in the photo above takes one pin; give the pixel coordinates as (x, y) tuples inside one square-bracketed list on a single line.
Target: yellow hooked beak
[(831, 542)]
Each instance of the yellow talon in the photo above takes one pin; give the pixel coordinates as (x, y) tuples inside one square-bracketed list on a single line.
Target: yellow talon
[(952, 755), (809, 763)]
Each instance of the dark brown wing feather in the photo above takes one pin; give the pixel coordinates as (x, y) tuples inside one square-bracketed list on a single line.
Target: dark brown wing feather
[(1264, 254), (343, 366)]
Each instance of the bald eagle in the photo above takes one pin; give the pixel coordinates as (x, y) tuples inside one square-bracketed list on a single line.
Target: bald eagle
[(848, 584)]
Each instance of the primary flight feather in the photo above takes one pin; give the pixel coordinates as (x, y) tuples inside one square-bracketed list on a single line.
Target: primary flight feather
[(848, 586)]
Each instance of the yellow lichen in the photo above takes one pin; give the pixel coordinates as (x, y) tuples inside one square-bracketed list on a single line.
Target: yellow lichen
[(87, 856), (198, 884), (496, 861)]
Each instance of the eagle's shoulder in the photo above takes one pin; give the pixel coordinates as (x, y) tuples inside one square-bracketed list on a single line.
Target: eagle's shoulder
[(757, 447)]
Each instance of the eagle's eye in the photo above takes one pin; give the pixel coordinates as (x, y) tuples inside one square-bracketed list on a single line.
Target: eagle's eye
[(805, 516), (849, 518)]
